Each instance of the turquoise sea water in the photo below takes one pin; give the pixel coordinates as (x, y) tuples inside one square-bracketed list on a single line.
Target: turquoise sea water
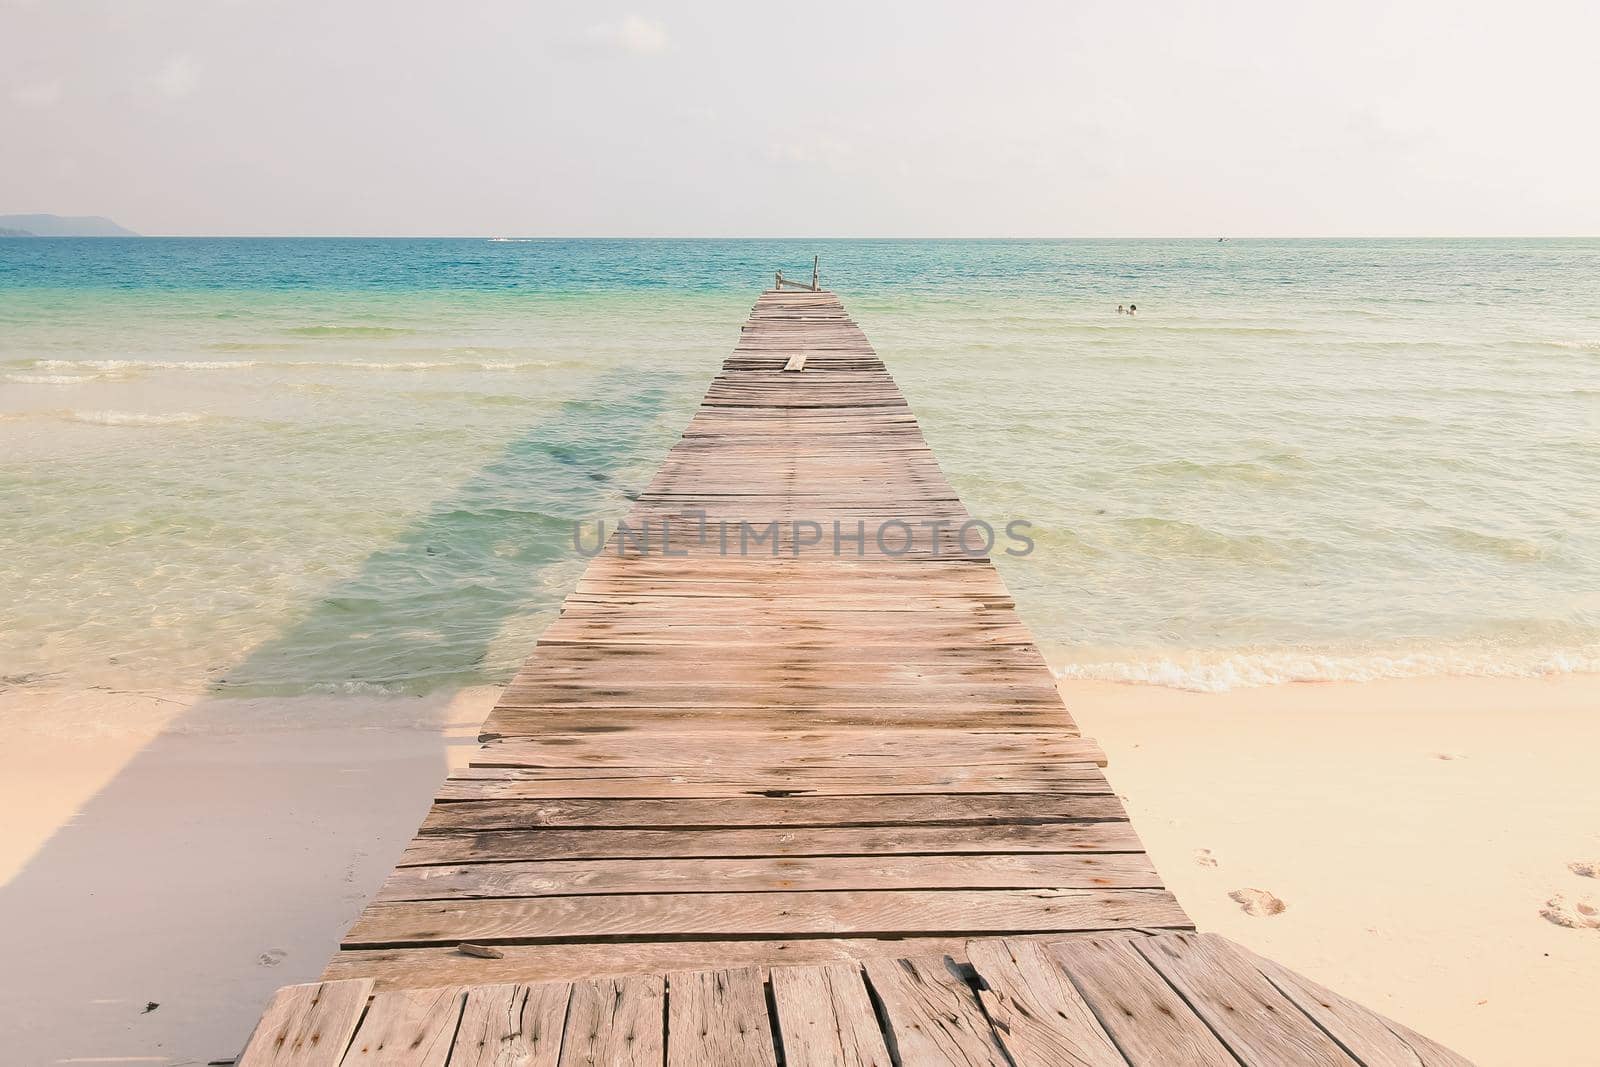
[(291, 465)]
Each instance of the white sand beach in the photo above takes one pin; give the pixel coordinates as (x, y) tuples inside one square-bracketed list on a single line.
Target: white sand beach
[(204, 852), (1416, 832)]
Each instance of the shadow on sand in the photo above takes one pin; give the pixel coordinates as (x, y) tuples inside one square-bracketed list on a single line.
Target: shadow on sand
[(229, 854)]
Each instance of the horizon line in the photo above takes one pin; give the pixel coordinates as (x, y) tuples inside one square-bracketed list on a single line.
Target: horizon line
[(1222, 238)]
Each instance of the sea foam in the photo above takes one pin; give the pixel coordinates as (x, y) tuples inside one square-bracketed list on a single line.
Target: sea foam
[(47, 379), (145, 364), (134, 418), (1251, 670), (133, 365)]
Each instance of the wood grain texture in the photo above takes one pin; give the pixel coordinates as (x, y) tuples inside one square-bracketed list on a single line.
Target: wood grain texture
[(771, 811), (1173, 998), (535, 783), (713, 916), (931, 1014), (717, 1018), (825, 1017), (778, 744), (1249, 1013), (616, 1022), (767, 874), (991, 839), (1371, 1038), (403, 968), (406, 1027), (1038, 1014), (512, 1025), (1150, 1023), (307, 1025)]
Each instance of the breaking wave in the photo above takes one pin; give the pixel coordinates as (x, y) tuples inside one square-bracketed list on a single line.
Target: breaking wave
[(134, 418), (144, 364), (106, 365), (47, 379)]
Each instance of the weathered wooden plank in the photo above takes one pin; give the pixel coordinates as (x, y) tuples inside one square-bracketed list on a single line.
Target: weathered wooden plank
[(769, 874), (932, 1016), (1150, 1023), (825, 1017), (435, 965), (718, 915), (717, 1018), (991, 839), (733, 634), (813, 653), (408, 1028), (307, 1025), (1249, 1013), (524, 722), (687, 814), (1039, 1017), (662, 749), (1371, 1038), (508, 783), (616, 1022), (707, 695), (660, 665), (511, 1025)]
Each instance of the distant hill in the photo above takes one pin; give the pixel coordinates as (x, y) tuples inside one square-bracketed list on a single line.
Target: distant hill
[(60, 226)]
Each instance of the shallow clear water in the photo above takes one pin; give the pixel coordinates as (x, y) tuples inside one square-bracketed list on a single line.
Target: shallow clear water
[(282, 465)]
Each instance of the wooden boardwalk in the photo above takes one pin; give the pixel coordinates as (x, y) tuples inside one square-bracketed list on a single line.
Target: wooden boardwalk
[(790, 718), (1173, 1000), (732, 756)]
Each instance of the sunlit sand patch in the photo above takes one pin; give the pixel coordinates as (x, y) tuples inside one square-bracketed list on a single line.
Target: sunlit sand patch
[(63, 747)]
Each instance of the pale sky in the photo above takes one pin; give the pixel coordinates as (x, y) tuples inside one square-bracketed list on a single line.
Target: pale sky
[(493, 117)]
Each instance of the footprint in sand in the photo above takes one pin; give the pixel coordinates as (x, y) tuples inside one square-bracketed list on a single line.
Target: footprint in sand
[(1585, 870), (1573, 914), (1204, 858), (1448, 755), (1257, 902)]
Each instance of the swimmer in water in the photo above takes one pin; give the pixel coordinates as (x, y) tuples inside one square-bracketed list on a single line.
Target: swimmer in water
[(1121, 310), (1133, 309)]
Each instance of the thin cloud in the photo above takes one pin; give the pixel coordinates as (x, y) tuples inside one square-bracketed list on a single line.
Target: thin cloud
[(820, 150), (634, 33), (40, 94), (178, 78)]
